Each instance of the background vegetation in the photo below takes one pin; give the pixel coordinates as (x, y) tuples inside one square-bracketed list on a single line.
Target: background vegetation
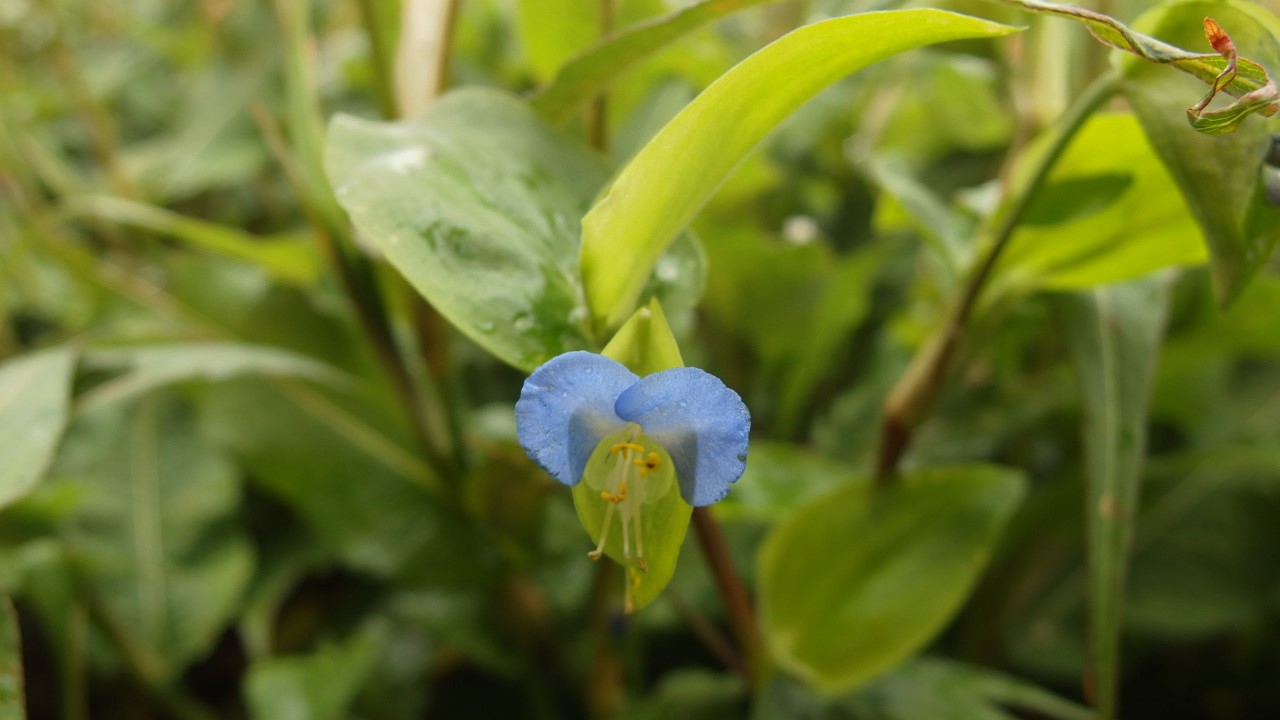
[(1006, 324)]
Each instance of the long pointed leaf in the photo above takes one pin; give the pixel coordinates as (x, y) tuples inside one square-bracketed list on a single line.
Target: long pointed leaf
[(670, 179), (584, 77), (291, 259), (1113, 336)]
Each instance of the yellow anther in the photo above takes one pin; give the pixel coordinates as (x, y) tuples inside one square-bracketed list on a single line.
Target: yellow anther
[(626, 446), (617, 497), (648, 464)]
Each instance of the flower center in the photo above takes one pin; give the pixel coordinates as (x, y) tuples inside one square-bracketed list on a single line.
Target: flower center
[(626, 488)]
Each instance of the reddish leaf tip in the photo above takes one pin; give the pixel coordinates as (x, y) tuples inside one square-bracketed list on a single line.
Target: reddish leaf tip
[(1218, 38)]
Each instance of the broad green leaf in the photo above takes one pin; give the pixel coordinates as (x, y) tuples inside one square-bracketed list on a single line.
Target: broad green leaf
[(319, 686), (645, 345), (477, 202), (1113, 337), (1109, 211), (940, 689), (1220, 177), (856, 580), (35, 392), (12, 705), (1240, 77), (291, 259), (588, 74), (156, 527), (663, 187), (142, 368)]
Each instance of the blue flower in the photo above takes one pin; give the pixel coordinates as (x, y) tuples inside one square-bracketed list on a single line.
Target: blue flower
[(571, 404)]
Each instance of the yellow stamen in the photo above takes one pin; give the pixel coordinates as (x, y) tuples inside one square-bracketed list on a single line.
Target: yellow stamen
[(604, 534), (626, 446), (649, 464)]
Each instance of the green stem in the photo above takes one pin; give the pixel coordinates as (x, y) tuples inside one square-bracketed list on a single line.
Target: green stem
[(597, 116), (380, 57), (917, 389)]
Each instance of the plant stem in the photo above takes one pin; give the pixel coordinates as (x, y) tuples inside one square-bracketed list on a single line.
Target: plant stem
[(380, 57), (603, 686), (597, 117), (917, 389), (733, 593)]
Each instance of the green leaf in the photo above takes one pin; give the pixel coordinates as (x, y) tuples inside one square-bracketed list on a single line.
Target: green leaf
[(291, 259), (12, 706), (347, 473), (855, 581), (320, 686), (587, 75), (780, 478), (1113, 336), (690, 694), (477, 202), (143, 368), (1223, 71), (645, 345), (1220, 177), (35, 393), (156, 527), (1109, 211), (941, 689), (552, 31), (670, 179)]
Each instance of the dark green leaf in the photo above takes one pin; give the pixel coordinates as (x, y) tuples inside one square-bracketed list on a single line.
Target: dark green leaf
[(1113, 337), (1220, 177), (155, 530), (320, 686), (1075, 197), (850, 585), (349, 476), (945, 690)]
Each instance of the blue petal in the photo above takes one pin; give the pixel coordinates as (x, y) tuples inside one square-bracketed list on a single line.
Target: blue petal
[(701, 423), (566, 409)]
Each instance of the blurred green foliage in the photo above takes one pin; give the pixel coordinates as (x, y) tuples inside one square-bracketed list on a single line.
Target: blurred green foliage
[(1006, 324)]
